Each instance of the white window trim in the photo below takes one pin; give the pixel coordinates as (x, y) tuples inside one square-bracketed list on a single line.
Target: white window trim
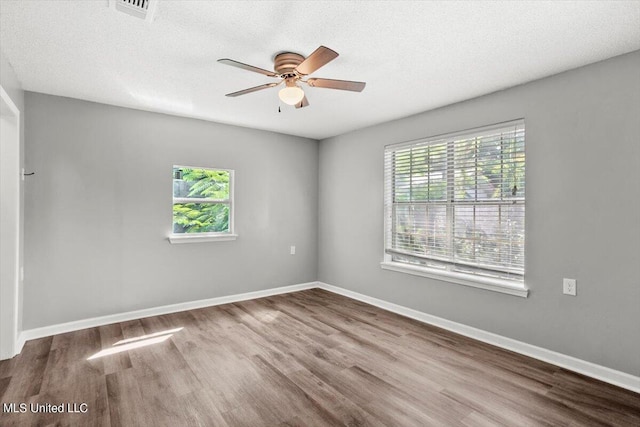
[(208, 237), (488, 283), (510, 287), (201, 238)]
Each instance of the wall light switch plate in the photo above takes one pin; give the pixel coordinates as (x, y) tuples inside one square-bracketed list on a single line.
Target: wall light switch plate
[(293, 250), (569, 287)]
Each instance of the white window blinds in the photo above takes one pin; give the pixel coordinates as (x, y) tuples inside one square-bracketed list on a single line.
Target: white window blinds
[(457, 202)]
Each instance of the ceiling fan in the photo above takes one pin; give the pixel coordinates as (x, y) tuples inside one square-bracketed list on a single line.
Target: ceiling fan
[(292, 69)]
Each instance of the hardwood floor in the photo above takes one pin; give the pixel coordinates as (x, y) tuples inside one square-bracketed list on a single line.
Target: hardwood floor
[(310, 358)]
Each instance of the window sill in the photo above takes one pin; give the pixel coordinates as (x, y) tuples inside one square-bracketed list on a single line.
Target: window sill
[(491, 284), (179, 238)]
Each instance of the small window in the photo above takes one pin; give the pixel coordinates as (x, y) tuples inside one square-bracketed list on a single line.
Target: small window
[(202, 204), (455, 207)]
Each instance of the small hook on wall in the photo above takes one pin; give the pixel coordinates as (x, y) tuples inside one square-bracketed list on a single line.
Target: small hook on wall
[(26, 174)]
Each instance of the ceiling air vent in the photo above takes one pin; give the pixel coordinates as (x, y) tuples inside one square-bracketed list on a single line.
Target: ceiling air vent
[(143, 9)]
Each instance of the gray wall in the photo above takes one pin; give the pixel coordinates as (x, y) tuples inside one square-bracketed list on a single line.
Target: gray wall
[(12, 86), (98, 210), (582, 219)]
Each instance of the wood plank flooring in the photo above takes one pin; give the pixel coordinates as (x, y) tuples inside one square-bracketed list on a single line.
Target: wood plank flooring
[(310, 358)]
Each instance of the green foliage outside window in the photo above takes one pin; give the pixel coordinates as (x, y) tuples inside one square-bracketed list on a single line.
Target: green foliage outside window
[(210, 191)]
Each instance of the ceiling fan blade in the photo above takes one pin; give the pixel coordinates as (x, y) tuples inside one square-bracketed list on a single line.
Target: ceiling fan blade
[(337, 84), (247, 67), (321, 56), (303, 103), (252, 89)]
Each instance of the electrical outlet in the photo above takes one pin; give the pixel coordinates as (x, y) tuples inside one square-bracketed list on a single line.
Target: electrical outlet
[(569, 287), (293, 250)]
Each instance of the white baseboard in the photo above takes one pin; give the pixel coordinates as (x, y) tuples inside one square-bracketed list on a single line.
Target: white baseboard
[(593, 370), (14, 350), (602, 373), (61, 328), (20, 343)]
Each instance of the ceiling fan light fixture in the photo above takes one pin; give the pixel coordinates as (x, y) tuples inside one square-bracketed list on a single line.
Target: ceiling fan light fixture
[(291, 95)]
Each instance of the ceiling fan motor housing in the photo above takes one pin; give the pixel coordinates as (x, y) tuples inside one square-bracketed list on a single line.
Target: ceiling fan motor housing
[(285, 63)]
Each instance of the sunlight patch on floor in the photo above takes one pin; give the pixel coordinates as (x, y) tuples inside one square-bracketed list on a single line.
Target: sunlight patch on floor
[(144, 337), (137, 342)]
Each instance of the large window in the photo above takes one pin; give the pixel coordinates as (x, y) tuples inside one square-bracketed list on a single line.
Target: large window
[(202, 204), (455, 206)]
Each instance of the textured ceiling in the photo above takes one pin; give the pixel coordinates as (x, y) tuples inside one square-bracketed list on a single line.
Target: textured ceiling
[(414, 56)]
